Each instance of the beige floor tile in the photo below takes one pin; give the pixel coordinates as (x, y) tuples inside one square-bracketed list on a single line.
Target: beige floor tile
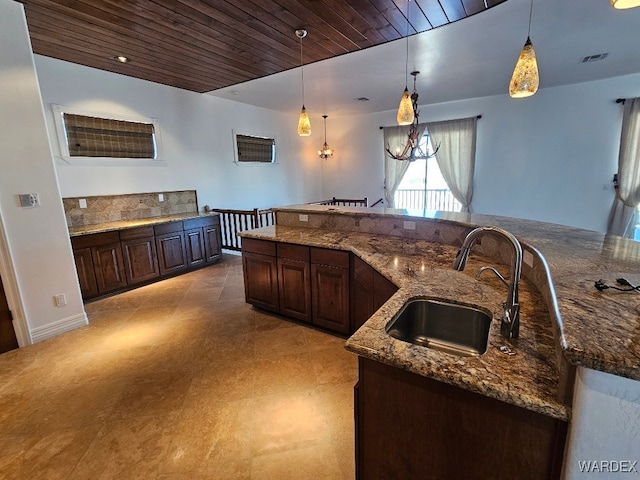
[(179, 380), (288, 421), (127, 449), (311, 463)]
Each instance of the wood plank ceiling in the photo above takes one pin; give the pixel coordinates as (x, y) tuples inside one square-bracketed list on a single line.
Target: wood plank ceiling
[(202, 45)]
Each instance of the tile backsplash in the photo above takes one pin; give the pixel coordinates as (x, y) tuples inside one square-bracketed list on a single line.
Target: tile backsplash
[(114, 208)]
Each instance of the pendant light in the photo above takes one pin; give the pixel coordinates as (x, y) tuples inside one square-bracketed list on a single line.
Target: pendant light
[(304, 125), (405, 109), (325, 152), (622, 4), (525, 78)]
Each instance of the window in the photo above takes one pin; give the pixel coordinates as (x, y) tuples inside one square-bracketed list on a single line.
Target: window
[(423, 187), (249, 148), (97, 139)]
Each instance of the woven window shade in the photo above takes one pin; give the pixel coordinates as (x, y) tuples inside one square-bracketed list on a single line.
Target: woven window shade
[(104, 137), (255, 149)]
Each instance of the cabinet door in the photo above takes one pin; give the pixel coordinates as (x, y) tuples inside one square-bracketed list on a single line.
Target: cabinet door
[(140, 259), (86, 273), (109, 267), (294, 285), (330, 297), (172, 255), (362, 297), (261, 280), (212, 242), (194, 245)]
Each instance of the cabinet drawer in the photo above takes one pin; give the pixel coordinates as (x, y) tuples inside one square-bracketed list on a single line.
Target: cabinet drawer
[(264, 247), (200, 222), (94, 239), (170, 227), (293, 252), (138, 232), (332, 258)]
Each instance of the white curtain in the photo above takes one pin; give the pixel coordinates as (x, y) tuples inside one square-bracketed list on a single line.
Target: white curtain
[(456, 156), (394, 170), (624, 213)]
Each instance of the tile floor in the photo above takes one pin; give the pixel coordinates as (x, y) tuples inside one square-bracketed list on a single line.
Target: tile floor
[(179, 380)]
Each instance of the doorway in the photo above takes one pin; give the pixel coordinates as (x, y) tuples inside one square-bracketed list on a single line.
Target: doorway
[(8, 340)]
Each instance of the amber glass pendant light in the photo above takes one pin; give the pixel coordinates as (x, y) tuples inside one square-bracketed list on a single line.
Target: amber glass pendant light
[(304, 124), (525, 78), (405, 109), (623, 4)]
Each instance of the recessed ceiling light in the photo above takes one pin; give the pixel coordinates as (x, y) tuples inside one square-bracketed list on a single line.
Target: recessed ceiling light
[(122, 59)]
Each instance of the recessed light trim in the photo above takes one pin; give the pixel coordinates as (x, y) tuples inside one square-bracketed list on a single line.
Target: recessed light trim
[(122, 59)]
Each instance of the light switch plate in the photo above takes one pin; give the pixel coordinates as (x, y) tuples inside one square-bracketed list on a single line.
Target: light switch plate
[(409, 225), (161, 197), (83, 203), (29, 200), (303, 218)]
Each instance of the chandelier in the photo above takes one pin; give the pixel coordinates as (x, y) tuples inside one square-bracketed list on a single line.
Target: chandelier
[(325, 152), (412, 150)]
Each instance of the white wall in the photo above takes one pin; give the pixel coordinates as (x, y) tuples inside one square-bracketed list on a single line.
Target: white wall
[(35, 243), (604, 428), (550, 157), (196, 133)]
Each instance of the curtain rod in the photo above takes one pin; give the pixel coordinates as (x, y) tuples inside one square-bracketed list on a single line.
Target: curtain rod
[(477, 116)]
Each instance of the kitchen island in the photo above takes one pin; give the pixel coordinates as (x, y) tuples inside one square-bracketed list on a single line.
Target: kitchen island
[(565, 321)]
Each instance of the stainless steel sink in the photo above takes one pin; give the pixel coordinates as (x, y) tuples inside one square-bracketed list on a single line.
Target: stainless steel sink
[(452, 328)]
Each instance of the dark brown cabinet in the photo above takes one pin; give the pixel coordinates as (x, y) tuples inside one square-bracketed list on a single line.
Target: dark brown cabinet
[(260, 268), (99, 261), (113, 260), (170, 247), (409, 426), (139, 251), (294, 281), (330, 289), (202, 240), (369, 291)]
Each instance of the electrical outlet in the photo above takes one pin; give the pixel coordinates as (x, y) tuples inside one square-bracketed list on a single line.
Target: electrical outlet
[(409, 225), (60, 300), (83, 203), (303, 218), (161, 197)]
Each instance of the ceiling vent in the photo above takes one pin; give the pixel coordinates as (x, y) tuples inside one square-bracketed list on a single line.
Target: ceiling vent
[(594, 58), (362, 99)]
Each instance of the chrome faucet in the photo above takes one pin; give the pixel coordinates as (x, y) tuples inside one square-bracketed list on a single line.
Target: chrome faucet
[(510, 322)]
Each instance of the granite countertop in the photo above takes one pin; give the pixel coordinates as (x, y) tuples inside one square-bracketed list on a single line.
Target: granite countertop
[(141, 222), (423, 269)]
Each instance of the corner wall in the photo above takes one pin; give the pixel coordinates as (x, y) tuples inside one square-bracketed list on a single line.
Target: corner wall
[(38, 251)]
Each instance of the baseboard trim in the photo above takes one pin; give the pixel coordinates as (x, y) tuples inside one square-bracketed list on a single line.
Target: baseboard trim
[(59, 326)]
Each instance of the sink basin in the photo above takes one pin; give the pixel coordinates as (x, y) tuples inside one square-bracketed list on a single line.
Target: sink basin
[(449, 327)]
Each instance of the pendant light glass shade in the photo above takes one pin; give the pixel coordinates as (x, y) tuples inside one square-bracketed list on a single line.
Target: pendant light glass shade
[(525, 79), (325, 152), (304, 125), (405, 109), (622, 4)]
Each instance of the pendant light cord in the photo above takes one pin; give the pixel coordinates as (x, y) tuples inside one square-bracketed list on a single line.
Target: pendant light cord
[(406, 62), (302, 71), (530, 13)]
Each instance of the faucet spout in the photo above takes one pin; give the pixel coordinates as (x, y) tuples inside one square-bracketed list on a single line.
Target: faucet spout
[(510, 323)]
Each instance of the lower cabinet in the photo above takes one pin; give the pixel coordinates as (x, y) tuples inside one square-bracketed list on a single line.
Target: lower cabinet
[(260, 269), (306, 283), (170, 247), (408, 426), (294, 281), (99, 263), (139, 250), (110, 261), (330, 289), (369, 291)]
